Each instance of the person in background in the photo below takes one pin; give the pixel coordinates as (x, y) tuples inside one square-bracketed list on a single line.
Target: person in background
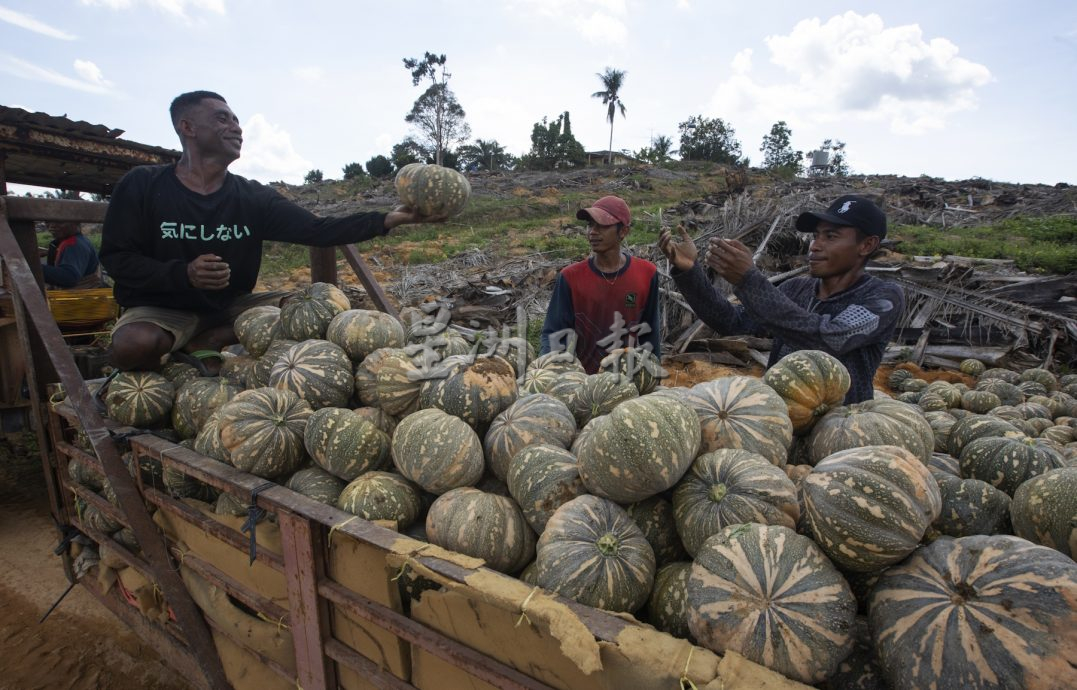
[(838, 308), (183, 242), (70, 260), (607, 301)]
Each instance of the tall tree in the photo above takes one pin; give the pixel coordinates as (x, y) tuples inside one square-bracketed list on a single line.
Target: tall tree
[(778, 153), (436, 113), (353, 171), (612, 81), (407, 151), (660, 150), (485, 155), (313, 176), (709, 139), (553, 145)]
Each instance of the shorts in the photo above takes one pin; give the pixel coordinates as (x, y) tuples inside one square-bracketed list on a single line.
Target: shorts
[(185, 325)]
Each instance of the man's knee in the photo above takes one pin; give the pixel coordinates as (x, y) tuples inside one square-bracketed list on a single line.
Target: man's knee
[(139, 346)]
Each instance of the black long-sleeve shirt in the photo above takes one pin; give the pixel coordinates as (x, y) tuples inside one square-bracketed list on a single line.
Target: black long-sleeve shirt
[(854, 325), (155, 226)]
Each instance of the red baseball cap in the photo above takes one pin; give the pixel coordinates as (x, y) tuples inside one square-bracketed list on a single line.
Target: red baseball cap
[(607, 211)]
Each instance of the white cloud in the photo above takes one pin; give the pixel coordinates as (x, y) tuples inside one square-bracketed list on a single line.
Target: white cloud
[(91, 73), (176, 8), (599, 21), (91, 79), (25, 21), (268, 153), (684, 5), (310, 74), (853, 66), (742, 61)]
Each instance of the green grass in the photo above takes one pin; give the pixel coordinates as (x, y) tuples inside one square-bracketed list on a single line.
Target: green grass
[(1047, 244)]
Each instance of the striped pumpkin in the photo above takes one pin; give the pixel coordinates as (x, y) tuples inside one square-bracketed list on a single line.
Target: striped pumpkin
[(345, 444), (969, 506), (476, 391), (259, 374), (728, 487), (366, 375), (379, 418), (381, 496), (179, 373), (256, 328), (1007, 463), (196, 400), (359, 332), (1008, 393), (873, 423), (1044, 510), (139, 398), (945, 463), (1007, 375), (977, 612), (859, 670), (742, 412), (941, 423), (307, 314), (566, 386), (1041, 376), (535, 419), (437, 451), (398, 383), (592, 552), (237, 370), (542, 478), (208, 441), (317, 371), (667, 607), (262, 431), (598, 395), (973, 427), (316, 484), (641, 448), (972, 367), (655, 519), (771, 595), (482, 525), (980, 402), (556, 361), (811, 383), (539, 380), (869, 507), (639, 365)]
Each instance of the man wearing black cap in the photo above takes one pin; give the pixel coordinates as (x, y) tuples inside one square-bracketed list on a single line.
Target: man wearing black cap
[(607, 301), (839, 309)]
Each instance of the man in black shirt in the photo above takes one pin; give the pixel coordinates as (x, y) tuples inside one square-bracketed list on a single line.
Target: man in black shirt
[(840, 309), (183, 242)]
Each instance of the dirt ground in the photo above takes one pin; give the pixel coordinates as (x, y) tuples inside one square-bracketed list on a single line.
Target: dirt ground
[(81, 645)]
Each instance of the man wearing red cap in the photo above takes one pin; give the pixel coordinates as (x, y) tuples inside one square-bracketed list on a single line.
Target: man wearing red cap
[(607, 301), (838, 308)]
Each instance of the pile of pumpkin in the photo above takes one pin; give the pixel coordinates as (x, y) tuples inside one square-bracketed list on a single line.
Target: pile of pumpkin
[(867, 545)]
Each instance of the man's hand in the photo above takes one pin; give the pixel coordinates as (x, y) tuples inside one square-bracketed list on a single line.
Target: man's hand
[(681, 251), (208, 272), (730, 259), (403, 215)]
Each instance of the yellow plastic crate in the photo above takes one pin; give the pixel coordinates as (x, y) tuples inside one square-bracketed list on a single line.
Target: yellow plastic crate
[(82, 308)]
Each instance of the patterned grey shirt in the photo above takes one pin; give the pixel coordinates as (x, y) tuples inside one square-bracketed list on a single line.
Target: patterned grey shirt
[(854, 326)]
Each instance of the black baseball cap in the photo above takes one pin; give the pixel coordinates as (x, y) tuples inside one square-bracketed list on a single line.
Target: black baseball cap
[(849, 210)]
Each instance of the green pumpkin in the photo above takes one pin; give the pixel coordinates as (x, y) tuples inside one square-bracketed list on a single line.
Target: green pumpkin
[(1031, 388), (1008, 393), (772, 596), (379, 418), (1007, 604), (898, 377), (868, 508), (644, 446), (539, 380), (307, 314), (978, 426), (256, 328), (316, 484), (481, 525), (567, 387), (811, 383), (259, 373), (542, 478), (667, 607), (873, 423), (237, 370), (655, 518), (432, 190), (1044, 510), (317, 371), (475, 391), (1002, 374), (972, 367), (594, 553), (598, 395), (1058, 434), (859, 670), (208, 441), (399, 381), (941, 423), (437, 451), (366, 375), (359, 332), (638, 365), (556, 361), (261, 431), (196, 400), (1040, 376), (381, 496), (139, 398), (179, 373), (1032, 410), (1009, 413), (970, 506), (932, 402), (979, 401), (1006, 463), (728, 487), (742, 412), (345, 444), (947, 464), (535, 419)]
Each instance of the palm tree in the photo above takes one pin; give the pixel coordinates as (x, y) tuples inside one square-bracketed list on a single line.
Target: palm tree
[(612, 80)]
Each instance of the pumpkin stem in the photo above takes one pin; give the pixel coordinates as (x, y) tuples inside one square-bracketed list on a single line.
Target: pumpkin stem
[(718, 492), (607, 545)]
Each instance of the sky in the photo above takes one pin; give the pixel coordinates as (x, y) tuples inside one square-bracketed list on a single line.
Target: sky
[(954, 89)]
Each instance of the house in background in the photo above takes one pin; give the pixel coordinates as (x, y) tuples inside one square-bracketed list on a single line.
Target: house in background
[(603, 158)]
